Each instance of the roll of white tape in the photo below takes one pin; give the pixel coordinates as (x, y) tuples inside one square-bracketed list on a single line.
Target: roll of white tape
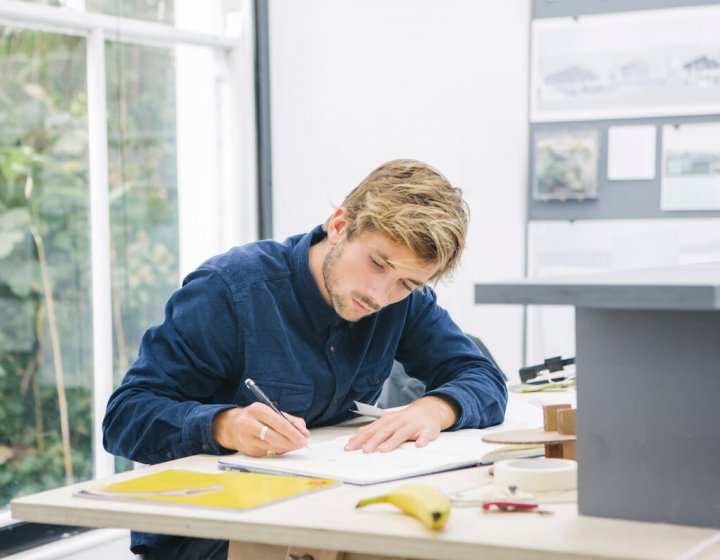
[(537, 475)]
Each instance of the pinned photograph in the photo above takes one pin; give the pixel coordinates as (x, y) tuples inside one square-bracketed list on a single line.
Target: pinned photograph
[(691, 167), (566, 164)]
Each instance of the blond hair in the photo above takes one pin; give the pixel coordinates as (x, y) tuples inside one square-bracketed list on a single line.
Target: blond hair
[(412, 204)]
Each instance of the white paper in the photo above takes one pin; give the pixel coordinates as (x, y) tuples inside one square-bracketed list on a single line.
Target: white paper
[(329, 459), (372, 410), (451, 450), (691, 167), (631, 153)]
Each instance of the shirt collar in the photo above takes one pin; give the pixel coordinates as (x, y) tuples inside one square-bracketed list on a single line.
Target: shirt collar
[(321, 313)]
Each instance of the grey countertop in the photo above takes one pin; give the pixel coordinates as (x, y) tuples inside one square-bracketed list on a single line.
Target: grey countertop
[(685, 287)]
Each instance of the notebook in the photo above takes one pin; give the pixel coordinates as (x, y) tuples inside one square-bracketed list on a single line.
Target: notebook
[(234, 490), (328, 459)]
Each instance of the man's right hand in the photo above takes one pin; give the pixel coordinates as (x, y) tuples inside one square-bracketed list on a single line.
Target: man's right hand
[(241, 429)]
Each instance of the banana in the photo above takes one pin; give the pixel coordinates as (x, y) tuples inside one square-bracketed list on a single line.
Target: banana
[(426, 503)]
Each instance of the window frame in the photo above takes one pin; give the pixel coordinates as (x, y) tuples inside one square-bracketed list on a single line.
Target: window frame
[(238, 174)]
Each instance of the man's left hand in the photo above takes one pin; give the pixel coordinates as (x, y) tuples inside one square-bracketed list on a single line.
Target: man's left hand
[(421, 422)]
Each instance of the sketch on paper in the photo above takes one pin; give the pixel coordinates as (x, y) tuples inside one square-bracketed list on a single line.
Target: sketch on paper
[(691, 167), (566, 164), (645, 63)]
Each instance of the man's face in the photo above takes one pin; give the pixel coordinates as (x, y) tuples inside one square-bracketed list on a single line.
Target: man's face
[(364, 275)]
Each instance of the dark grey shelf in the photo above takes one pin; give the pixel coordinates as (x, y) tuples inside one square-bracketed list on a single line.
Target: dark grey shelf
[(690, 287), (648, 363)]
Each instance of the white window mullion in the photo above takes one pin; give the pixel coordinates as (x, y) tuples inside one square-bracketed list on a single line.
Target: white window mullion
[(240, 216), (100, 245)]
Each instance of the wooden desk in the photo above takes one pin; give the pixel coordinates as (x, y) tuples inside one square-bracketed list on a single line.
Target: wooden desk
[(328, 521)]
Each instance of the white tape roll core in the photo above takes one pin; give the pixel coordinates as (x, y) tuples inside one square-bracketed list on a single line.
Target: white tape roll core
[(537, 475)]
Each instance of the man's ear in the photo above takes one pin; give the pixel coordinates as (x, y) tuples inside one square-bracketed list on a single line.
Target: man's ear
[(337, 225)]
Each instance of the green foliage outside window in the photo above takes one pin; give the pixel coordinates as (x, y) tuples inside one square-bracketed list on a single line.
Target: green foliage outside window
[(45, 337), (46, 349), (143, 191)]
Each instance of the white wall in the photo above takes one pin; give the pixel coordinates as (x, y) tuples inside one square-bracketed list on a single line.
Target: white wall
[(356, 83)]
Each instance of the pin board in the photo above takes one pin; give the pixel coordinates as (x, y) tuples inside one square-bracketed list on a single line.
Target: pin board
[(624, 110)]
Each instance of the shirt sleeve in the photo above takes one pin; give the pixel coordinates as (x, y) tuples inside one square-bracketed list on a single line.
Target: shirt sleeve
[(162, 409), (436, 351)]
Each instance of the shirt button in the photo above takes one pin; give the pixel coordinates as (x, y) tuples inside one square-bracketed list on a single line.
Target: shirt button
[(377, 380), (205, 446), (332, 349)]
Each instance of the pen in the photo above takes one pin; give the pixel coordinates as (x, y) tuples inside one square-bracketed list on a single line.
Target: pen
[(263, 398)]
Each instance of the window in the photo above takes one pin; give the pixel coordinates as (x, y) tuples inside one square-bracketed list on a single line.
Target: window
[(45, 284), (126, 158)]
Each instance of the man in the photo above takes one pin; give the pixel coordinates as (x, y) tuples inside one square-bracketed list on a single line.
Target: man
[(316, 322)]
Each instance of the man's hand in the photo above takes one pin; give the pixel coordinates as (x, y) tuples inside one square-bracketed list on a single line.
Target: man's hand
[(244, 429), (421, 421)]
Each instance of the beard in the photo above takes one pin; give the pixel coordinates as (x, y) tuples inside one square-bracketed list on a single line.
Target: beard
[(331, 280)]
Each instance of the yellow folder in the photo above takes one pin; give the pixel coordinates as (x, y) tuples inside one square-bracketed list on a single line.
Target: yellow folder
[(236, 490)]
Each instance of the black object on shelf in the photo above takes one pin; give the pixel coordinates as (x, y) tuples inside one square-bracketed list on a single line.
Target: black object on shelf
[(556, 363)]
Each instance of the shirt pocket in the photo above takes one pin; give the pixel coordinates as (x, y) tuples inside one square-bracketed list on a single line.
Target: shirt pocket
[(293, 398)]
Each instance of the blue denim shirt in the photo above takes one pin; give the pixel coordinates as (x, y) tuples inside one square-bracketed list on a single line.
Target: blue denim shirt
[(256, 311)]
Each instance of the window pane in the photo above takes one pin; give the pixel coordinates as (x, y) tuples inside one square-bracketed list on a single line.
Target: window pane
[(161, 11), (143, 191), (45, 303), (45, 2), (221, 17)]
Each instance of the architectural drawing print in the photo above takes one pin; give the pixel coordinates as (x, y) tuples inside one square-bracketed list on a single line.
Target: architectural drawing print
[(631, 64)]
